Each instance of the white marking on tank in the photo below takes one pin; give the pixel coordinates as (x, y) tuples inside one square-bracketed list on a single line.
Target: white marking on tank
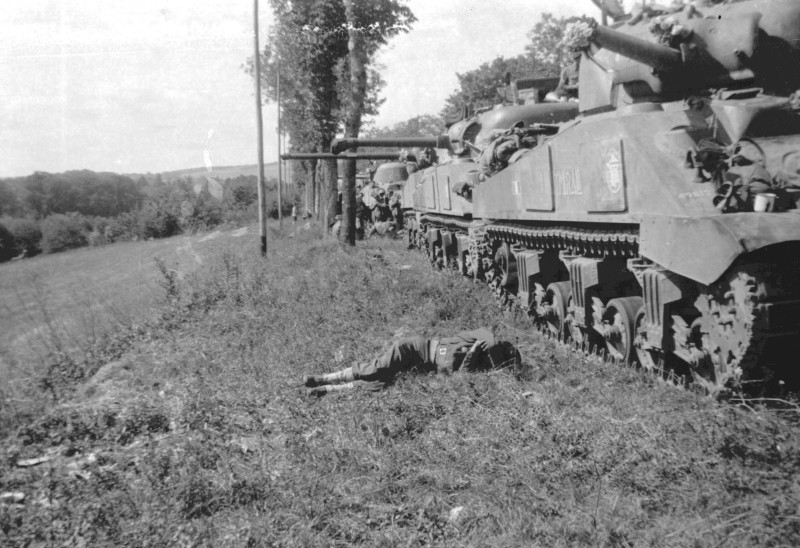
[(568, 182)]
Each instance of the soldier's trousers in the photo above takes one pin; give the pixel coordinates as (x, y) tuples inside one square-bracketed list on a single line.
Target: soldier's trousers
[(404, 355)]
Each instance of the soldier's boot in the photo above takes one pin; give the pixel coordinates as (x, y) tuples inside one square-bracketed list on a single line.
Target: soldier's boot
[(319, 391), (345, 375)]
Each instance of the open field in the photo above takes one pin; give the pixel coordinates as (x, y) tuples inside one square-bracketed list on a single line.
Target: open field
[(198, 433), (57, 304)]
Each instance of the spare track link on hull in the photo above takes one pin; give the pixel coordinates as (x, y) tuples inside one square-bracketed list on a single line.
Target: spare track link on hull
[(623, 242)]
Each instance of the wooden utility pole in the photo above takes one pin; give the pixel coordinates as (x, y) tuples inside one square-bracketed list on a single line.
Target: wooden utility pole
[(280, 171), (262, 191)]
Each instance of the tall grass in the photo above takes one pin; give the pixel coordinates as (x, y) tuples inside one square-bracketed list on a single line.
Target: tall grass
[(64, 315), (199, 433)]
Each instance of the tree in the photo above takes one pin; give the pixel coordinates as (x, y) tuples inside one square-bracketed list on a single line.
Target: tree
[(9, 204), (8, 245), (306, 61), (426, 125), (369, 25), (352, 124), (308, 47), (27, 236), (545, 55), (546, 50), (62, 232), (478, 87)]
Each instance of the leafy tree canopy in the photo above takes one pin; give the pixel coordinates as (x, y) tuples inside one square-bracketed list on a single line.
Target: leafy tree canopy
[(478, 87), (545, 55), (426, 125), (308, 46), (85, 192)]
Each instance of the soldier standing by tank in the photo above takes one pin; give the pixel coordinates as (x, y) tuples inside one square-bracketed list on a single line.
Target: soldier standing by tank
[(567, 89), (394, 206), (467, 351), (362, 215)]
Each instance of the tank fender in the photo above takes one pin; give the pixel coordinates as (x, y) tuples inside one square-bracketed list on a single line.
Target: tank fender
[(703, 248)]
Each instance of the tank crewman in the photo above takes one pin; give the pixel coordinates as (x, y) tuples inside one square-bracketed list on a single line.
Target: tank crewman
[(395, 208), (410, 160), (467, 351), (380, 209), (427, 158), (746, 177), (362, 215), (501, 146), (567, 89)]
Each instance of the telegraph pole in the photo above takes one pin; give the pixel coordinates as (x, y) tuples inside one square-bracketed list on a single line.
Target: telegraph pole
[(262, 191), (280, 171)]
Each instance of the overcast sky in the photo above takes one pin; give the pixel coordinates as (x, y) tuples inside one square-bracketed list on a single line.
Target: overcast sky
[(130, 87)]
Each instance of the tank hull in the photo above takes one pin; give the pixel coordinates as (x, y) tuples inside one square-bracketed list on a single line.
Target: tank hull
[(661, 224), (609, 211)]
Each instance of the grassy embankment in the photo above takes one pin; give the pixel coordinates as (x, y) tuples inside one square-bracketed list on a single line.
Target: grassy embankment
[(198, 431)]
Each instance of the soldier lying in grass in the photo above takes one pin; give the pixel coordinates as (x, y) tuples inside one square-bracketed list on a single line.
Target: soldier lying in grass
[(467, 351)]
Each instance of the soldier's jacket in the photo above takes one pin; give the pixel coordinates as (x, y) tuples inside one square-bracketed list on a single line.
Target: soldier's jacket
[(428, 355), (451, 351)]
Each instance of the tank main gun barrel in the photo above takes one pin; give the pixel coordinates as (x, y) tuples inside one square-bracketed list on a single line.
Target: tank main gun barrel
[(388, 155), (440, 141), (662, 58)]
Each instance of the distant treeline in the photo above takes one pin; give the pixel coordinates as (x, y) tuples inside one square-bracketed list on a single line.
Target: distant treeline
[(47, 213), (85, 192)]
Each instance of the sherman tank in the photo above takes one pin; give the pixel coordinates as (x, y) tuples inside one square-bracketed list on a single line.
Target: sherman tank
[(659, 220)]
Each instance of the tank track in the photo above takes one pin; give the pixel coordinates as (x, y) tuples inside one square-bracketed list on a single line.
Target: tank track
[(713, 332), (590, 242)]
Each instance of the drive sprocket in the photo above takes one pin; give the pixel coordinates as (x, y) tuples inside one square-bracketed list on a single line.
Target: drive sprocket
[(730, 329)]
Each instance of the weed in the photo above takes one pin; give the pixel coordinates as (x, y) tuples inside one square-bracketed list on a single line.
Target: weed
[(199, 432)]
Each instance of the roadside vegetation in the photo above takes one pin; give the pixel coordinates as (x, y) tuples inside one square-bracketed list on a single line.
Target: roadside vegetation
[(194, 429), (49, 213)]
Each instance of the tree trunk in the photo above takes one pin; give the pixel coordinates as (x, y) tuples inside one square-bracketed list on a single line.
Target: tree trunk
[(311, 189), (358, 88), (330, 193), (348, 234)]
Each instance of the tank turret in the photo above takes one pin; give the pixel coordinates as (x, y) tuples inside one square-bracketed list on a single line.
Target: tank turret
[(468, 134), (666, 55)]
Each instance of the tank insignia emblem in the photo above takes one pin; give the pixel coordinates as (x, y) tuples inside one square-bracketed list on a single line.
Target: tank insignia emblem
[(568, 182), (613, 171)]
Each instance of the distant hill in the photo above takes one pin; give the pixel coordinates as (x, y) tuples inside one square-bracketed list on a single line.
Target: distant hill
[(222, 172)]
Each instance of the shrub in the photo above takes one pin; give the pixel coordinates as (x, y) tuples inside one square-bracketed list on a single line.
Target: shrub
[(62, 232), (158, 221), (206, 214), (27, 234), (123, 227), (8, 244)]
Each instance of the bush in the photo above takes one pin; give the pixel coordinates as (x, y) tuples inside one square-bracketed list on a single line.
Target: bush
[(62, 232), (158, 221), (27, 234), (206, 213), (8, 244), (123, 227)]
